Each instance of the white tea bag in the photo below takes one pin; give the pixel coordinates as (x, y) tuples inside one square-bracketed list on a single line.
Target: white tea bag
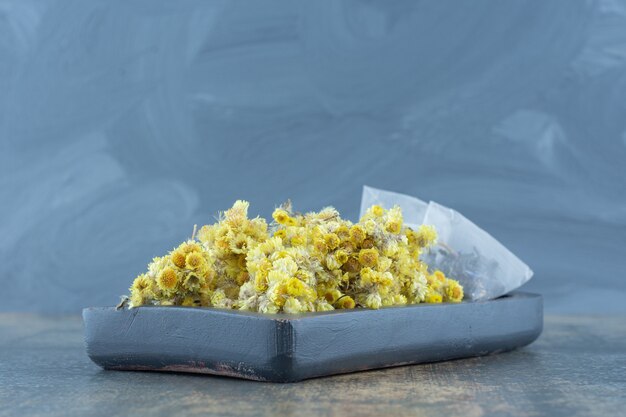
[(464, 251)]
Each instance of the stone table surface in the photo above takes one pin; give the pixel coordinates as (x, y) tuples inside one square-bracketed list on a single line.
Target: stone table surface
[(577, 367)]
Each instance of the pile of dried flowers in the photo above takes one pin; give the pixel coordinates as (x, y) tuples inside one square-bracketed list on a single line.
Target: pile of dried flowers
[(301, 262)]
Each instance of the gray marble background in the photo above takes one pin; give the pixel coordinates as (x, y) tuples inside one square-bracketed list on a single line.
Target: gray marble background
[(123, 123)]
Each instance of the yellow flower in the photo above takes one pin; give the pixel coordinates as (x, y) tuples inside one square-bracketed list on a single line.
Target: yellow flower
[(223, 244), (385, 280), (276, 294), (321, 305), (204, 295), (241, 262), (343, 232), (347, 246), (274, 277), (304, 276), (239, 244), (295, 287), (426, 236), (298, 240), (345, 302), (368, 257), (267, 307), (207, 273), (332, 295), (137, 299), (453, 292), (399, 299), (281, 216), (242, 278), (260, 282), (377, 210), (190, 301), (373, 301), (167, 280), (292, 306), (142, 283), (194, 261), (281, 233), (368, 277), (432, 297), (237, 215), (357, 234), (331, 240), (370, 226), (193, 282), (189, 247), (280, 254), (220, 300), (341, 257), (178, 258), (332, 263), (285, 264), (206, 234), (391, 249), (367, 243), (351, 265), (141, 291), (393, 226), (384, 263), (320, 246)]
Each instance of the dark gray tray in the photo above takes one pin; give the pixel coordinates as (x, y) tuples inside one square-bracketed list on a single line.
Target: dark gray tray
[(284, 348)]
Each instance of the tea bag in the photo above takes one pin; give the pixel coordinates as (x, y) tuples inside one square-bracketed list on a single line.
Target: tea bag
[(464, 251)]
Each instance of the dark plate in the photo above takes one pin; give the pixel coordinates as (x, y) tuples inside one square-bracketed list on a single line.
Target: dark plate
[(285, 348)]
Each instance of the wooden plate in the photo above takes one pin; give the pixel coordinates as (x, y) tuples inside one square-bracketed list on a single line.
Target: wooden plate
[(286, 348)]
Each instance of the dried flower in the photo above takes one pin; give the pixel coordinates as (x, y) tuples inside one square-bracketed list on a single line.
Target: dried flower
[(194, 261), (345, 302), (368, 257), (167, 280), (179, 258)]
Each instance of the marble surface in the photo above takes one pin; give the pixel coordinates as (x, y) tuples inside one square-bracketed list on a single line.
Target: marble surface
[(123, 123), (576, 368)]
